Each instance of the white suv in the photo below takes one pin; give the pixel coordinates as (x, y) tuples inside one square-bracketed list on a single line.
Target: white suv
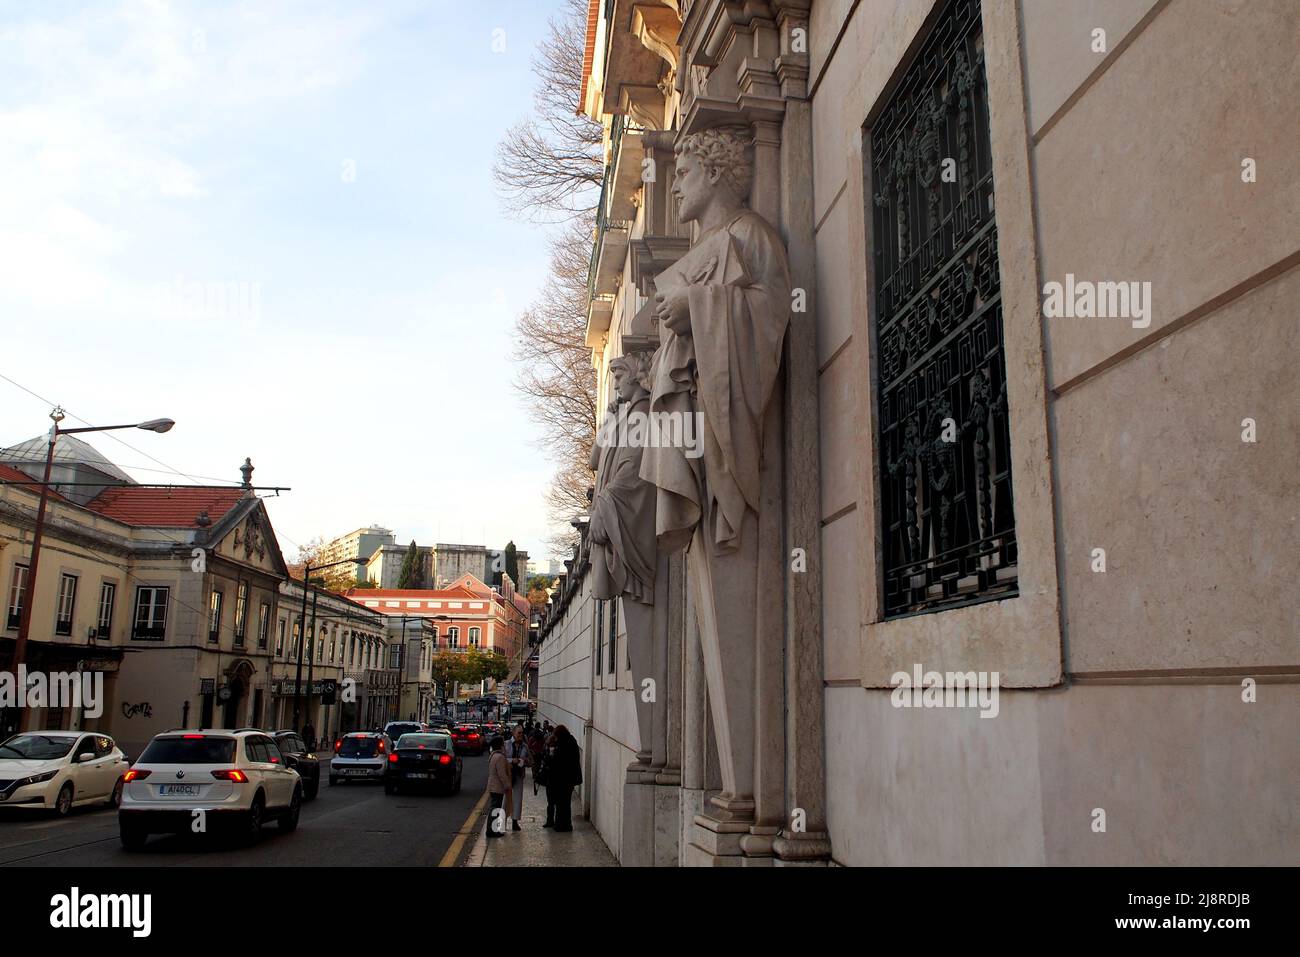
[(238, 779)]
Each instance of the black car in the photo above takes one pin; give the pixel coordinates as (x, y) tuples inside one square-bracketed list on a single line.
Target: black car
[(303, 760), (423, 761), (469, 738)]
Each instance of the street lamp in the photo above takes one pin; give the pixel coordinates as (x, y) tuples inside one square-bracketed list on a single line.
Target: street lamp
[(307, 569), (58, 415)]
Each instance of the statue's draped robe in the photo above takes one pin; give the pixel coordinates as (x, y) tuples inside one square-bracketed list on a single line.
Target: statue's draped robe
[(624, 506), (738, 289)]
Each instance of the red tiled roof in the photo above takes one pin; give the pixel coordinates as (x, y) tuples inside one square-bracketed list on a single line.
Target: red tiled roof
[(432, 594), (8, 474), (164, 507)]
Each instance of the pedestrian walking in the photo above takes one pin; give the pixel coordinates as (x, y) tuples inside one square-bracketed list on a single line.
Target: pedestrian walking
[(548, 754), (537, 755), (517, 755), (498, 788), (563, 774)]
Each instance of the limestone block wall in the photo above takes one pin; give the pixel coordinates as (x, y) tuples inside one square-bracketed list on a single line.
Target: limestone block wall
[(1119, 165)]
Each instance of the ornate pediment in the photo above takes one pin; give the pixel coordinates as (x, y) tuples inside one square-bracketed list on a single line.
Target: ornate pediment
[(250, 539)]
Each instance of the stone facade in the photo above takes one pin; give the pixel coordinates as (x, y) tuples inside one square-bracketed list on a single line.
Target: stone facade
[(1136, 690)]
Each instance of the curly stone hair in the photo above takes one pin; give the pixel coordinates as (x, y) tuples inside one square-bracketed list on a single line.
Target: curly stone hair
[(636, 363), (728, 148)]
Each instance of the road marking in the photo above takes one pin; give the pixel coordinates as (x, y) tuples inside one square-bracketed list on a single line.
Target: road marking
[(466, 829)]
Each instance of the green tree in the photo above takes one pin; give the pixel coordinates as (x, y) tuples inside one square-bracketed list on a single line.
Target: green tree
[(410, 574), (495, 666), (448, 667), (512, 565)]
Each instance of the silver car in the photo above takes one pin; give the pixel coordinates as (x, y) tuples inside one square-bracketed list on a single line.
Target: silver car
[(360, 756)]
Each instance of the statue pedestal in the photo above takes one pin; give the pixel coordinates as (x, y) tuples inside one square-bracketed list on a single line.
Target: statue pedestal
[(637, 841), (804, 849), (668, 820), (652, 810), (718, 831)]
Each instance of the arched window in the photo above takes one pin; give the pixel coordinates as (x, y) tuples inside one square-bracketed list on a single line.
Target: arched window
[(474, 636), (453, 637), (297, 640), (352, 650)]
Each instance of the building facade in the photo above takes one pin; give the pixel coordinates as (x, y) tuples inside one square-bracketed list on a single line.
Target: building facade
[(348, 678), (468, 614), (384, 568), (168, 592), (360, 543), (1037, 334)]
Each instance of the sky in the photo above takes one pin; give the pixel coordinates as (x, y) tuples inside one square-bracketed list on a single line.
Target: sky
[(275, 223)]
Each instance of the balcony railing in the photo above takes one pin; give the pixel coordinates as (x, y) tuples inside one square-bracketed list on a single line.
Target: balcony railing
[(602, 219)]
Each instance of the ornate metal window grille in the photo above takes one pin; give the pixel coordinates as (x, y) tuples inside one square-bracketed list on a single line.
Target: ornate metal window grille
[(945, 465)]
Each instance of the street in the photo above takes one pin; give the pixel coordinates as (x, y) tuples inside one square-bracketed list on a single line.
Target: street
[(348, 824)]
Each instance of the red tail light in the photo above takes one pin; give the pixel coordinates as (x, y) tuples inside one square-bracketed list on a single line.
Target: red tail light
[(231, 774), (193, 737), (472, 736), (134, 775), (338, 744), (381, 746), (445, 759), (392, 758)]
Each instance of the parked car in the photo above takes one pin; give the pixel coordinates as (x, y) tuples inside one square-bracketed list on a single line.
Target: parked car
[(468, 738), (297, 756), (360, 756), (238, 778), (59, 770), (423, 760)]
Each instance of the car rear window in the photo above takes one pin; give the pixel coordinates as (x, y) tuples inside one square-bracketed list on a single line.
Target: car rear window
[(179, 750), (432, 742), (395, 731), (359, 748)]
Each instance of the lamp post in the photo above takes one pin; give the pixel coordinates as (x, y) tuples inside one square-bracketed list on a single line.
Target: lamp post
[(307, 569), (33, 567)]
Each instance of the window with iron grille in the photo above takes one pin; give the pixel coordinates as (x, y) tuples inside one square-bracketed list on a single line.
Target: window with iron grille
[(150, 621), (67, 603), (17, 595), (945, 467)]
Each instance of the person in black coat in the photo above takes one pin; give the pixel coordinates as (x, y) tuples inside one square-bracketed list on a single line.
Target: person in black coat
[(563, 774)]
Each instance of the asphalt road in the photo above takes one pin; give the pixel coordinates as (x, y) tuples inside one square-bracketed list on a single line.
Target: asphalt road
[(348, 824)]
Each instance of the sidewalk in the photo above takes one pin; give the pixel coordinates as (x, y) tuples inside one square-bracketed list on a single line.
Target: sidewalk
[(535, 846)]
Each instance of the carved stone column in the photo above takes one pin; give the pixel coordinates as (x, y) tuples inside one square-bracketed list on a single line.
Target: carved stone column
[(803, 838)]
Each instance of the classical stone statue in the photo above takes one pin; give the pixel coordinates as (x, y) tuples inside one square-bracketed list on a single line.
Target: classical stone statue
[(723, 310), (622, 529), (623, 508)]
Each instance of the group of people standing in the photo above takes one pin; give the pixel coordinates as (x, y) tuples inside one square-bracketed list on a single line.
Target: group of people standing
[(553, 755)]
